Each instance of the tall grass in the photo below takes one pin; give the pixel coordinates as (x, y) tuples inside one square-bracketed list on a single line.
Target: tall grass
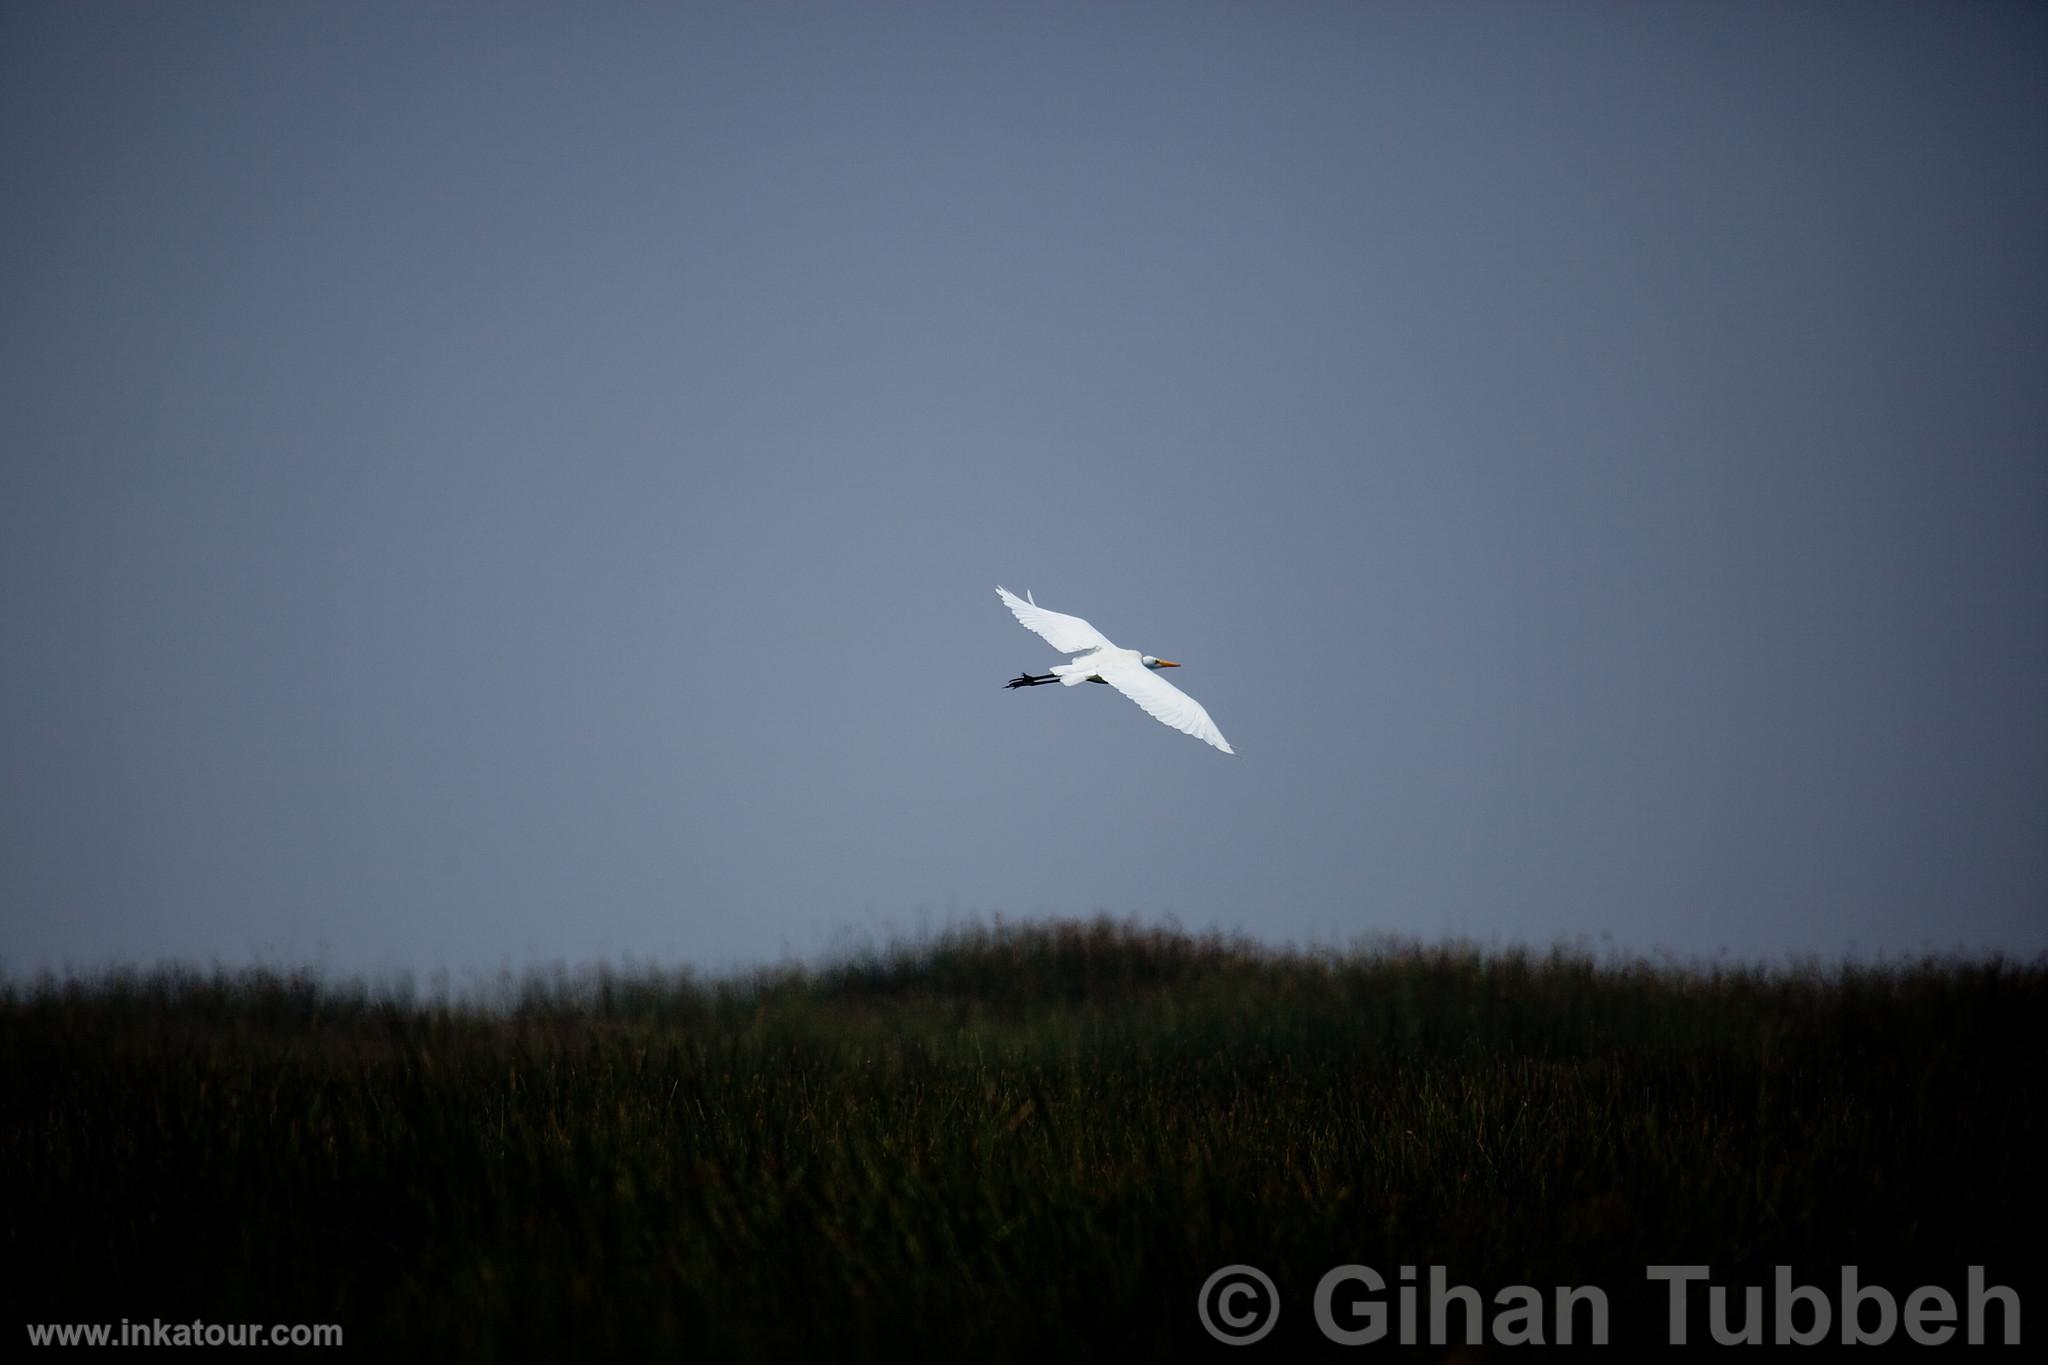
[(1012, 1142)]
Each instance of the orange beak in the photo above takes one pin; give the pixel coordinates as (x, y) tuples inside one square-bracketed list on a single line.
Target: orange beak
[(1168, 663)]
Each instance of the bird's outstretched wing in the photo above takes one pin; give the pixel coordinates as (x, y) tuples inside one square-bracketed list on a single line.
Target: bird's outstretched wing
[(1067, 634), (1164, 702)]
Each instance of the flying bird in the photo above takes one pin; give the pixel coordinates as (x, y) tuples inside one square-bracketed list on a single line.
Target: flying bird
[(1129, 672)]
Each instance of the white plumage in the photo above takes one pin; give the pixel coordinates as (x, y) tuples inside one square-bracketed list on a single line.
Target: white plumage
[(1127, 670)]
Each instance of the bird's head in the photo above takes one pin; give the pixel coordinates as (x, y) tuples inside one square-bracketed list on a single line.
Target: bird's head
[(1151, 662)]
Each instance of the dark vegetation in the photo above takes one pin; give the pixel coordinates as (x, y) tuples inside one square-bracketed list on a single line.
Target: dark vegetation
[(1010, 1143)]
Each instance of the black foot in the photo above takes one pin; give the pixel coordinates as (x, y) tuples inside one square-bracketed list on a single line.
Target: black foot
[(1027, 680)]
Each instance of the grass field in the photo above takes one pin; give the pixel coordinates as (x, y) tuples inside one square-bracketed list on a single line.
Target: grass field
[(1026, 1143)]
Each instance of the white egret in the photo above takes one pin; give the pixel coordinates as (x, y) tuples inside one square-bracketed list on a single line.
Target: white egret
[(1128, 671)]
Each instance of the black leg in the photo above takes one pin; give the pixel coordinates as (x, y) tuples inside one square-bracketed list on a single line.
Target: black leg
[(1030, 680)]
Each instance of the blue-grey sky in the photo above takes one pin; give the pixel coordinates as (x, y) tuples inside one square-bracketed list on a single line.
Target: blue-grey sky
[(487, 485)]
